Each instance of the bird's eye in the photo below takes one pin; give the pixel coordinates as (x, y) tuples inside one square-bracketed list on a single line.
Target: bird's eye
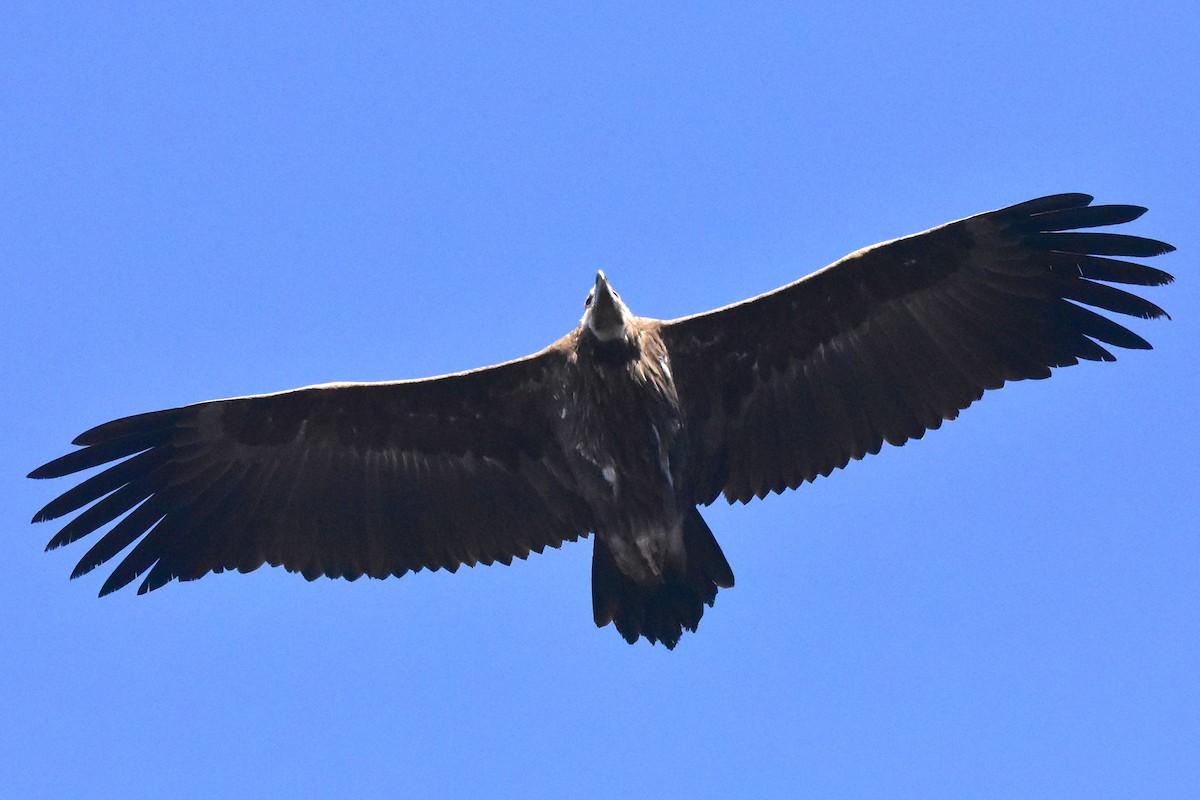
[(588, 303)]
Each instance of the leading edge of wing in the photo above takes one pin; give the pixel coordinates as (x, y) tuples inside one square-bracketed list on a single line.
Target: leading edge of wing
[(1032, 209), (123, 426)]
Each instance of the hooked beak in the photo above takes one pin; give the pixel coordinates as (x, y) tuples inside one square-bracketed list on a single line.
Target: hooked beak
[(604, 293)]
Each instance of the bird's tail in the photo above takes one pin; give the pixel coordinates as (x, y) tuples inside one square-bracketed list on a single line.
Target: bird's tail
[(660, 613)]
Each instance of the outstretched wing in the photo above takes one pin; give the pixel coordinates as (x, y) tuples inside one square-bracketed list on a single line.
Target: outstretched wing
[(892, 340), (340, 480)]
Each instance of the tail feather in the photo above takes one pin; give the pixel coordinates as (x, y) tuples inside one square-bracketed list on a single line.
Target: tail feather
[(662, 612)]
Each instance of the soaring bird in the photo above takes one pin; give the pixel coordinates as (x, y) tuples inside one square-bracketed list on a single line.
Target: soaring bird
[(620, 429)]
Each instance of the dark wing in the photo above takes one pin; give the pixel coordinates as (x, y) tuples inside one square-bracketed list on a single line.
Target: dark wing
[(340, 480), (888, 342)]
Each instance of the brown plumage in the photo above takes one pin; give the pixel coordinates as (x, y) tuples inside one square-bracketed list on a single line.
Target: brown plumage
[(621, 428)]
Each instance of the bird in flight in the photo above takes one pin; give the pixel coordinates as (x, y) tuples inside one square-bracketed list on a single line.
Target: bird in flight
[(621, 429)]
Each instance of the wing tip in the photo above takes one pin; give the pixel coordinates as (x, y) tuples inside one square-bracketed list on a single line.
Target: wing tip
[(1048, 203), (44, 471)]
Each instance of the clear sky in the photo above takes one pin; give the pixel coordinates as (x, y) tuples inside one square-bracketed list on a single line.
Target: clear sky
[(204, 201)]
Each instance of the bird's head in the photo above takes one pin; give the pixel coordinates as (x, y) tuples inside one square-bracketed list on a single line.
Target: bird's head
[(604, 315)]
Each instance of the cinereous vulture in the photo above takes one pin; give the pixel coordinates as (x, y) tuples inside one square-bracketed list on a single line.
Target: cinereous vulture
[(621, 428)]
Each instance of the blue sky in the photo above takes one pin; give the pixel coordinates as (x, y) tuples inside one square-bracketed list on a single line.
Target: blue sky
[(204, 201)]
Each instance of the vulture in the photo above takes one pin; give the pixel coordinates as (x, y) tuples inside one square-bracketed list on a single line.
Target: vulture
[(621, 429)]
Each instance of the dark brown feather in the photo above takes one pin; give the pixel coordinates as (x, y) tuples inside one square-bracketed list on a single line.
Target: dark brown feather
[(340, 480), (893, 339)]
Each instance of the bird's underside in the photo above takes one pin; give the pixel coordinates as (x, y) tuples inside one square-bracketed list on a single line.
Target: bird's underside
[(622, 428)]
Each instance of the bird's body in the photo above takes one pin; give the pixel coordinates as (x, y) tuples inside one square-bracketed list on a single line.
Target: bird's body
[(622, 428)]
